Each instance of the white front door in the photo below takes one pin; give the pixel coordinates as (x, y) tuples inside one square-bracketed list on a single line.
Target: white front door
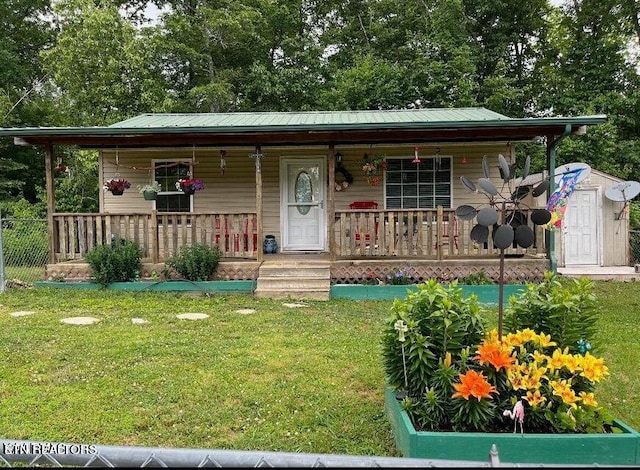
[(580, 228), (303, 213)]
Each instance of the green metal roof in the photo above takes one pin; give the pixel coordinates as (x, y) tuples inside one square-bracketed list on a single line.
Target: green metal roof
[(313, 127), (311, 118)]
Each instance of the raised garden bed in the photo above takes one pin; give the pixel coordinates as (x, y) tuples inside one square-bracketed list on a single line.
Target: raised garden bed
[(618, 448), (487, 294)]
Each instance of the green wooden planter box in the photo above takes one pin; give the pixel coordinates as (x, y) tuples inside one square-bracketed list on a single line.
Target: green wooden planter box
[(486, 293), (156, 286), (620, 448)]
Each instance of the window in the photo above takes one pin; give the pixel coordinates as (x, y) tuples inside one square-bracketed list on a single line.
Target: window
[(171, 199), (423, 185)]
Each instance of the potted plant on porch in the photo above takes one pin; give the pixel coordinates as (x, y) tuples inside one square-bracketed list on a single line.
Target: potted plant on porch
[(455, 390), (150, 191)]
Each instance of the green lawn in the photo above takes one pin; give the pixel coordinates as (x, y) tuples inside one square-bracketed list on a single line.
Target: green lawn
[(282, 379)]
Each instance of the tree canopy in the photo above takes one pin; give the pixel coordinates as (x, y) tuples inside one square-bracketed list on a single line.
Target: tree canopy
[(95, 62)]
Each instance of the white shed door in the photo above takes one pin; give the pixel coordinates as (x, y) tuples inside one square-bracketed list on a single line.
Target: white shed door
[(580, 228)]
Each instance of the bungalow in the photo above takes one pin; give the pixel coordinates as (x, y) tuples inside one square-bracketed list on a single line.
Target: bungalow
[(343, 194)]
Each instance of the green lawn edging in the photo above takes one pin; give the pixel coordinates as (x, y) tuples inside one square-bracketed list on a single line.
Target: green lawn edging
[(487, 294), (620, 448), (154, 286)]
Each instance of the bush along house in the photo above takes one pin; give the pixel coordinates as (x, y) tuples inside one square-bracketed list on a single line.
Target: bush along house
[(325, 197)]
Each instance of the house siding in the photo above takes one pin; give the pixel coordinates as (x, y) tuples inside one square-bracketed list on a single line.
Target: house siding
[(235, 191)]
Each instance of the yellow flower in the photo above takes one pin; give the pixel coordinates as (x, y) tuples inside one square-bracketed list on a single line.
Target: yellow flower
[(593, 368), (588, 399), (447, 359), (517, 379), (544, 341), (573, 362), (527, 335), (539, 358), (563, 390), (535, 398), (558, 359)]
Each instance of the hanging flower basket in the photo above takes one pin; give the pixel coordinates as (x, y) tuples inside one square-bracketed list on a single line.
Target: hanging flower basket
[(150, 191), (373, 168), (116, 186), (189, 185)]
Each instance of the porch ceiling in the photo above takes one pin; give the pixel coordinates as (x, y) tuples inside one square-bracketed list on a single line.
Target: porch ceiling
[(306, 128)]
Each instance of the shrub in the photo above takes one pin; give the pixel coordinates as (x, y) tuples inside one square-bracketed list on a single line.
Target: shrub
[(196, 262), (441, 325), (118, 262), (450, 376), (564, 308)]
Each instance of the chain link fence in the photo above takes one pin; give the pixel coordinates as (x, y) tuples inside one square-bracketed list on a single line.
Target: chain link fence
[(634, 246), (25, 250)]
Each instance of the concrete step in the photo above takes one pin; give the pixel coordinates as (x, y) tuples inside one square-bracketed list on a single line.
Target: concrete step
[(306, 272), (292, 283)]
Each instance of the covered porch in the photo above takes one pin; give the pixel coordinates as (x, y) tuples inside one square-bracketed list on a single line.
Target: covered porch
[(368, 226)]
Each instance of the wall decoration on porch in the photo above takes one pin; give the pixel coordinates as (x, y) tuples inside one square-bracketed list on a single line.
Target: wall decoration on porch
[(258, 156), (223, 160), (503, 213), (345, 180), (373, 168), (566, 178)]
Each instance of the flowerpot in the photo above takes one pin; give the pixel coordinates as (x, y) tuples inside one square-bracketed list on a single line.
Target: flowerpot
[(117, 192), (270, 245), (188, 190), (150, 195), (617, 448)]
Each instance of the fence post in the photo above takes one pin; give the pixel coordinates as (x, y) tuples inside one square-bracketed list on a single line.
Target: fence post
[(2, 283)]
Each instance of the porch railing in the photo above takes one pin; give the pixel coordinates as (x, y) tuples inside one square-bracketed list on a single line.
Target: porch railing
[(158, 235), (434, 234)]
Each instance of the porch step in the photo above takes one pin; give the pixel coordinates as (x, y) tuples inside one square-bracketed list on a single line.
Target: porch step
[(294, 279)]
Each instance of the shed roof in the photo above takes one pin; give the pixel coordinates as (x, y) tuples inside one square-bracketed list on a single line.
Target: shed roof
[(307, 128)]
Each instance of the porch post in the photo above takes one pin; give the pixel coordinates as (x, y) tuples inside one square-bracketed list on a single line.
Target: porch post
[(258, 163), (51, 201), (332, 203)]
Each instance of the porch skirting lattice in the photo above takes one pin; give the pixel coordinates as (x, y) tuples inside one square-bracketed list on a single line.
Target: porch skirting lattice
[(517, 270)]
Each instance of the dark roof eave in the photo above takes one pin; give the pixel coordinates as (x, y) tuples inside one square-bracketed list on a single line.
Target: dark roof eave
[(513, 129)]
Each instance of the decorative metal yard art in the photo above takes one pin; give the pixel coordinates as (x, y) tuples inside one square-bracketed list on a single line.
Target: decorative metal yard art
[(504, 214)]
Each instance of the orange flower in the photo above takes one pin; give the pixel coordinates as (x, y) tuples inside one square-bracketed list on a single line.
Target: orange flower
[(473, 384), (495, 354)]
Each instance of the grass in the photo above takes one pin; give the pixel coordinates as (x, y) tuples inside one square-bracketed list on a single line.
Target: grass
[(295, 380)]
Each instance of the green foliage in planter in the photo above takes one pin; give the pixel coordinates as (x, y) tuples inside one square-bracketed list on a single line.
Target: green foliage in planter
[(477, 279), (195, 262), (441, 324), (117, 262), (564, 308)]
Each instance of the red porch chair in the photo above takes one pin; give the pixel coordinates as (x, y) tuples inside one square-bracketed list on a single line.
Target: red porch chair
[(226, 233), (445, 232), (364, 205)]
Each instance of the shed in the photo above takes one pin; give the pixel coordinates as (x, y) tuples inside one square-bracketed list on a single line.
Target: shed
[(595, 230)]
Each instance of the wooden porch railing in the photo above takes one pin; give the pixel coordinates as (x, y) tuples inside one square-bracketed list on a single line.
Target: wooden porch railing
[(158, 235), (434, 234)]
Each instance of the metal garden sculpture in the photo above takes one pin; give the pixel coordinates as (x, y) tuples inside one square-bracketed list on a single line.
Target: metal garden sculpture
[(504, 213)]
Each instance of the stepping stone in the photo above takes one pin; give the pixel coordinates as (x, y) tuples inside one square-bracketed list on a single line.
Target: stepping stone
[(22, 313), (246, 311), (192, 316), (294, 305), (80, 320), (139, 321)]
